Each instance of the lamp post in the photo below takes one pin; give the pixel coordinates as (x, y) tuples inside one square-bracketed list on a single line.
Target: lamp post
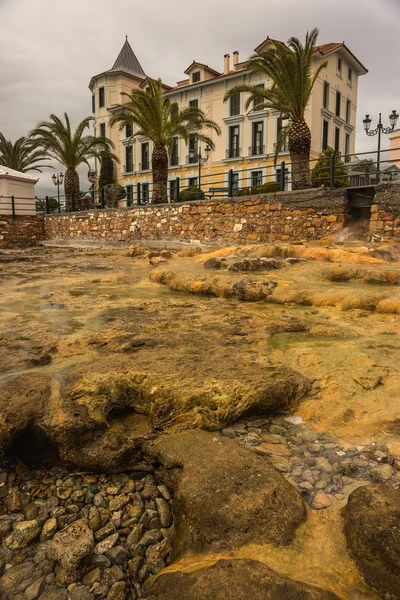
[(197, 157), (57, 180), (378, 131)]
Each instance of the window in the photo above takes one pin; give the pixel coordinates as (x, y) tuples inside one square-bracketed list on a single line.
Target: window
[(278, 177), (326, 95), (174, 160), (93, 103), (174, 111), (172, 190), (325, 134), (235, 104), (234, 150), (280, 124), (193, 149), (194, 103), (196, 77), (350, 76), (129, 195), (339, 66), (101, 97), (259, 99), (256, 178), (258, 138), (192, 182), (145, 192), (102, 130), (347, 148), (235, 183), (145, 165), (129, 131), (348, 111), (128, 159), (337, 139), (338, 103)]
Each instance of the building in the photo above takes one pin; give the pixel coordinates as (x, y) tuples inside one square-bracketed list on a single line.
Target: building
[(247, 143), (20, 187), (394, 149)]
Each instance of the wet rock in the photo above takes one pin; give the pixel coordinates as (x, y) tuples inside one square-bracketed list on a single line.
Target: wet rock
[(118, 502), (24, 533), (371, 526), (104, 532), (35, 589), (118, 591), (382, 473), (71, 547), (81, 592), (106, 544), (321, 500), (118, 555), (323, 464), (233, 580), (48, 530), (54, 594), (164, 512), (229, 432)]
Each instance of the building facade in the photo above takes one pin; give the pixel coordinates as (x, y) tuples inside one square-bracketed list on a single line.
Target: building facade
[(248, 140)]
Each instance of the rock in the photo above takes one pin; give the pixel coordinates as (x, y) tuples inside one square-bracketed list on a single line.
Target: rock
[(272, 449), (321, 500), (106, 544), (134, 536), (371, 527), (54, 594), (277, 430), (323, 464), (30, 511), (238, 579), (157, 260), (13, 501), (104, 532), (81, 592), (150, 537), (118, 502), (164, 512), (94, 519), (281, 464), (382, 473), (229, 432), (49, 529), (118, 555), (64, 493), (94, 576), (118, 591), (35, 589), (71, 547), (24, 533), (134, 566), (99, 560), (209, 512)]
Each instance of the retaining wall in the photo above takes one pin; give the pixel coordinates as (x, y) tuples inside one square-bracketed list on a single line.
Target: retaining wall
[(385, 212), (22, 231), (304, 215)]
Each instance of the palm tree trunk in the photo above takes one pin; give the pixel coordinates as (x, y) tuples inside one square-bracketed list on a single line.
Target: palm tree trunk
[(299, 149), (160, 174), (72, 191)]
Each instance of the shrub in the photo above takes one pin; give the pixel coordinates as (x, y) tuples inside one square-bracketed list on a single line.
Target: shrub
[(267, 188), (320, 174), (112, 194), (191, 193)]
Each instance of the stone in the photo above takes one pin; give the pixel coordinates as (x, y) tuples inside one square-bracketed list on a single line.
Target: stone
[(277, 430), (94, 576), (382, 473), (134, 566), (64, 493), (164, 512), (106, 544), (99, 560), (234, 579), (54, 594), (118, 591), (150, 537), (371, 527), (30, 511), (118, 502), (35, 589), (157, 260), (71, 547), (229, 432), (24, 533), (118, 555), (49, 529), (134, 536), (81, 592), (105, 531), (323, 464), (321, 500), (94, 519), (272, 449)]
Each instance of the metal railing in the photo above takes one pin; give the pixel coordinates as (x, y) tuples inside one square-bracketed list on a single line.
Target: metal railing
[(144, 166), (256, 150), (233, 152), (362, 169)]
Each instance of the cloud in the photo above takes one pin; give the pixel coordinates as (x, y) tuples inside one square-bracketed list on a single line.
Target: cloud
[(49, 49)]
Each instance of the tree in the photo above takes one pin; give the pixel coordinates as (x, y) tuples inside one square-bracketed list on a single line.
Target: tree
[(71, 149), (106, 170), (289, 67), (24, 155), (41, 205), (159, 119), (113, 192), (321, 174), (368, 167)]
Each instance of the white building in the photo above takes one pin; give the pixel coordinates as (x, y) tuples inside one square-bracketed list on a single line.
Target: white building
[(20, 187)]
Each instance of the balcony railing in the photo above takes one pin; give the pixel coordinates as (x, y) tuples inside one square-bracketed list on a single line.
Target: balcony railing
[(233, 152), (192, 160), (174, 161), (284, 148), (256, 150), (144, 166), (128, 169)]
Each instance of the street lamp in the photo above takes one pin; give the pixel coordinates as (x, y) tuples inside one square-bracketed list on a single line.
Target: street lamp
[(57, 180), (378, 131), (197, 157)]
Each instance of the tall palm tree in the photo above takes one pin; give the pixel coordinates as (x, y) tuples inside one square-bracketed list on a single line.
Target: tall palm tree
[(24, 155), (71, 149), (289, 67), (159, 119)]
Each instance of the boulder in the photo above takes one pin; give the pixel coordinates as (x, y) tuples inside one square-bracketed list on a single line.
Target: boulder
[(71, 547), (239, 498), (372, 529), (238, 579)]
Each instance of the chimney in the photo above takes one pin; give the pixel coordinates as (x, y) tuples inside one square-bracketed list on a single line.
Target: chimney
[(235, 58), (227, 58)]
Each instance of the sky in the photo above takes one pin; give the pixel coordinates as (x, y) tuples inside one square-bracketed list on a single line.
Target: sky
[(49, 49)]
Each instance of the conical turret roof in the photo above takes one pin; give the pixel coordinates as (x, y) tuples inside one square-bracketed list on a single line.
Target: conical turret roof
[(127, 61)]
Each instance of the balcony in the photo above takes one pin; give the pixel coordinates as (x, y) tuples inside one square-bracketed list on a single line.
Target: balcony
[(192, 160), (256, 150), (174, 161), (144, 166), (233, 152), (284, 148)]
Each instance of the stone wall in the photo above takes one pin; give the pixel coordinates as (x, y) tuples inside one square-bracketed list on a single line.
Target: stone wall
[(21, 232), (385, 212), (305, 215)]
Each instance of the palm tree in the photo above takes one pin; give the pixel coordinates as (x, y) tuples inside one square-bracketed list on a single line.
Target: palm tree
[(159, 119), (71, 149), (289, 67), (24, 155)]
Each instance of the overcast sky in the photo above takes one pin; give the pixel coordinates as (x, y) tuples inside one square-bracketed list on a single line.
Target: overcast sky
[(49, 49)]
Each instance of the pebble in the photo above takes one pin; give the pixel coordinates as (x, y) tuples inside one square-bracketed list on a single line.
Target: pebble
[(229, 433), (321, 500)]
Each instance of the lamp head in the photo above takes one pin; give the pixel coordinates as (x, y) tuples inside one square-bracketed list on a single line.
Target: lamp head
[(393, 119), (367, 123)]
